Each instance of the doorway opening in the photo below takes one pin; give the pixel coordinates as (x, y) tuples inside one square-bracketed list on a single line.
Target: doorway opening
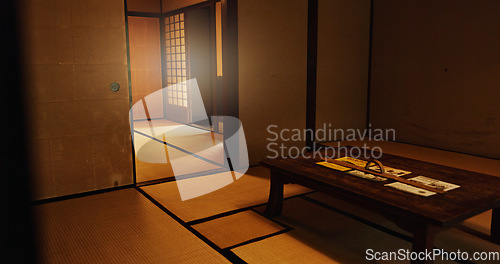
[(167, 53)]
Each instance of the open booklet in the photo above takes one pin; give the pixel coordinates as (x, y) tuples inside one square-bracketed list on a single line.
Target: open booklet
[(434, 183), (360, 174)]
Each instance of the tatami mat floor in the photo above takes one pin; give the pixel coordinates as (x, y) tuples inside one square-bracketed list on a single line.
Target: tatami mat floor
[(250, 190), (151, 225), (116, 227)]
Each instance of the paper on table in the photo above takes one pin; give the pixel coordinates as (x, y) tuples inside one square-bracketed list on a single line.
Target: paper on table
[(332, 166), (351, 172), (357, 162), (393, 171), (366, 175), (440, 185)]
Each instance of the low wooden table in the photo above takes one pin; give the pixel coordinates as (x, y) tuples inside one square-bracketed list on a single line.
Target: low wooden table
[(422, 216)]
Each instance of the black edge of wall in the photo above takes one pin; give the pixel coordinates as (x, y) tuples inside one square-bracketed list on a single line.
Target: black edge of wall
[(17, 242), (143, 14), (312, 68), (186, 9), (129, 79), (368, 87), (80, 195)]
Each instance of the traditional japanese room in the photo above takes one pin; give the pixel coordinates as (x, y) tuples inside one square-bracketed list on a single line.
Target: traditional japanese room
[(186, 131)]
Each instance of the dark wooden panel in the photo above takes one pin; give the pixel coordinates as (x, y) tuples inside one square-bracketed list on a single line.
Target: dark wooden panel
[(435, 73), (312, 67)]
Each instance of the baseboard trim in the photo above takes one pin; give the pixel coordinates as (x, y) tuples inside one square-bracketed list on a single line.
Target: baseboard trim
[(79, 195)]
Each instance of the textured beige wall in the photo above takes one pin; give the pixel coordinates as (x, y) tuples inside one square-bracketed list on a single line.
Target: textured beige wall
[(343, 45), (145, 62), (272, 47), (436, 73), (79, 133)]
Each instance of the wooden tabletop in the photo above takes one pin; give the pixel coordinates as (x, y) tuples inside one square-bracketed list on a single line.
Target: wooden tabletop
[(478, 192)]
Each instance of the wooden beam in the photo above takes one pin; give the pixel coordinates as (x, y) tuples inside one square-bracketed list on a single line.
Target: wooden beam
[(230, 57), (312, 67)]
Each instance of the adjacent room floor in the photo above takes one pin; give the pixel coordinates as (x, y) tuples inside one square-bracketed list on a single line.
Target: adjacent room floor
[(169, 149)]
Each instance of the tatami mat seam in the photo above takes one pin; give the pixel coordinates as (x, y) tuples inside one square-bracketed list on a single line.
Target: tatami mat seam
[(229, 255), (180, 149), (371, 224), (216, 216), (359, 219), (226, 252), (256, 239), (286, 228), (274, 220), (181, 177)]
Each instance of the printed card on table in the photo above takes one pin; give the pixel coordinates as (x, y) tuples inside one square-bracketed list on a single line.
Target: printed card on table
[(393, 171), (437, 184)]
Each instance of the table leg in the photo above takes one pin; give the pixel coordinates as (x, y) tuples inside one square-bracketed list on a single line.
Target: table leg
[(423, 241), (275, 202), (495, 225)]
